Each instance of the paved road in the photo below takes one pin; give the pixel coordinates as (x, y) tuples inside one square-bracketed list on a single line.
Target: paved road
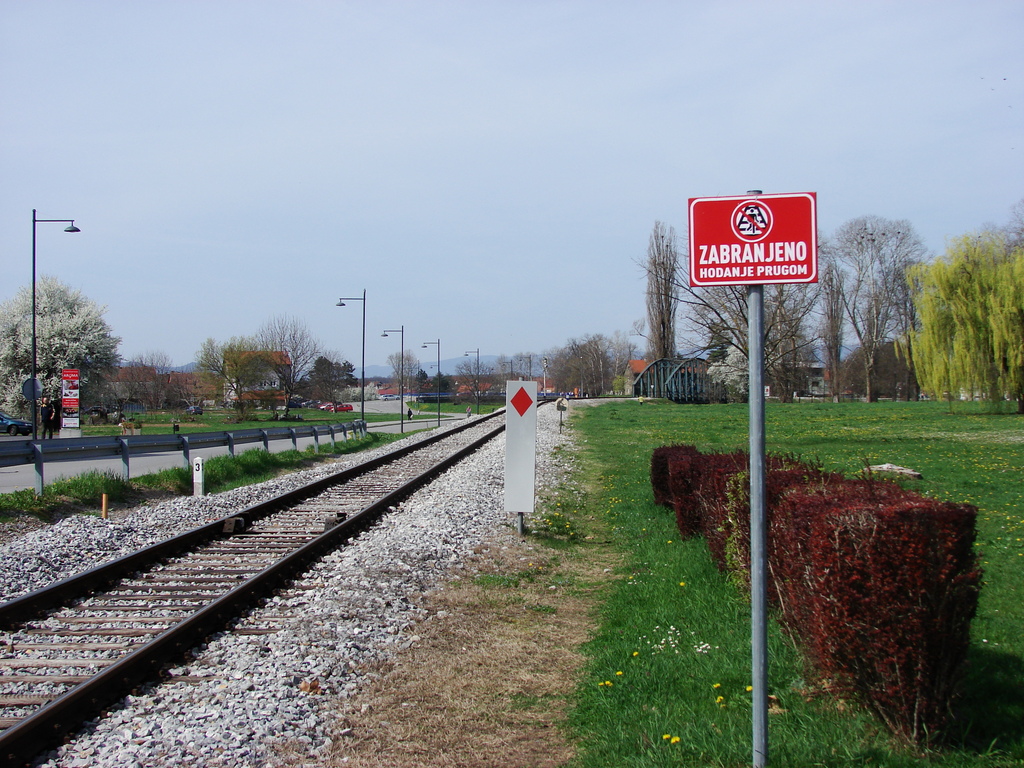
[(21, 477)]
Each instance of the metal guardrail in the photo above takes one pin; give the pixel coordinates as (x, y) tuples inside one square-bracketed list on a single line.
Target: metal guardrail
[(39, 452)]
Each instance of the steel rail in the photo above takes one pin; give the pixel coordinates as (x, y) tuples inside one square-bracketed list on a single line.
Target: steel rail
[(62, 593), (21, 742)]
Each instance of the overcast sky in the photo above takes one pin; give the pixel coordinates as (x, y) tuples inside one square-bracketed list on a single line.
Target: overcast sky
[(488, 171)]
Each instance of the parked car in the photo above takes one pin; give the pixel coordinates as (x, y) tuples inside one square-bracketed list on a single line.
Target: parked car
[(336, 407), (194, 410), (13, 426)]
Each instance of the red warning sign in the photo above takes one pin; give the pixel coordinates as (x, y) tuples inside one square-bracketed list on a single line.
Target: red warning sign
[(753, 239)]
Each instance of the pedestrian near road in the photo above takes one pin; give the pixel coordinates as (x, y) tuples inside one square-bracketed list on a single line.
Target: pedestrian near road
[(469, 411), (410, 414), (47, 415)]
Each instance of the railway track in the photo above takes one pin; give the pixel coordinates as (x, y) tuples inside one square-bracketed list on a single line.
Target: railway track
[(71, 650)]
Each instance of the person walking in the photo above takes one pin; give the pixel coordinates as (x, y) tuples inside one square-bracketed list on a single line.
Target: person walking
[(47, 416)]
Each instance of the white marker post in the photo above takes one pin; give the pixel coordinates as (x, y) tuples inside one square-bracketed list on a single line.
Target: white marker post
[(520, 448), (198, 477), (754, 240)]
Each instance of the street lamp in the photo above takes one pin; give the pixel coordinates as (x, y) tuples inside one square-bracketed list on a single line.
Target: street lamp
[(476, 378), (362, 385), (401, 375), (33, 380), (438, 345)]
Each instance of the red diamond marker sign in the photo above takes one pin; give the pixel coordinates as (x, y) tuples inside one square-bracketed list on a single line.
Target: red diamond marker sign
[(520, 447), (521, 401)]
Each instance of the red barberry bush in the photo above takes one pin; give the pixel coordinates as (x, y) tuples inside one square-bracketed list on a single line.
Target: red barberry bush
[(877, 584)]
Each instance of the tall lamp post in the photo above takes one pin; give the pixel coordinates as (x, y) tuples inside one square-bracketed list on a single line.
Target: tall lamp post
[(401, 375), (362, 378), (438, 345), (33, 380), (476, 377)]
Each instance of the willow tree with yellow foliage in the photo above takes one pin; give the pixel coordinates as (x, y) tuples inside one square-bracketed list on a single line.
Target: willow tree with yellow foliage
[(970, 306)]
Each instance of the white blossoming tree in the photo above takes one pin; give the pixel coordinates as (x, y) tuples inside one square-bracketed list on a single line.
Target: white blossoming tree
[(70, 333), (733, 372)]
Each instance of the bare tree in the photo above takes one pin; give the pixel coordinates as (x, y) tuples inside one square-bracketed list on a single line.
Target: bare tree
[(132, 383), (291, 336), (873, 255), (621, 349), (239, 367), (662, 267), (718, 318), (585, 365), (1015, 229), (833, 322), (147, 377), (187, 388), (525, 364), (593, 364), (404, 367), (474, 375)]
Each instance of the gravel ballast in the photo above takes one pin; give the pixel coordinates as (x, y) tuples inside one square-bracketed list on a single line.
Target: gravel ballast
[(244, 697)]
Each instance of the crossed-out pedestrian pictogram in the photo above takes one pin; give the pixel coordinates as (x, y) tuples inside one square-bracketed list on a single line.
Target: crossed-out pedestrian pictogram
[(752, 220)]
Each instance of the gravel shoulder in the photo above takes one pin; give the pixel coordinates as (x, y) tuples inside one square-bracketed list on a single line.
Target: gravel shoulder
[(489, 678)]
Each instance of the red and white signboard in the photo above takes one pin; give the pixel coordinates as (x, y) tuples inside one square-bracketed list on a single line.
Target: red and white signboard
[(70, 401), (754, 239)]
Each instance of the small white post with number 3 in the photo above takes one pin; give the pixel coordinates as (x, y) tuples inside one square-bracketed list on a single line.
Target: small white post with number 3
[(198, 477)]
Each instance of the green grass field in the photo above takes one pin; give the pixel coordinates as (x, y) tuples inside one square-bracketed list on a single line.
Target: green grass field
[(670, 664)]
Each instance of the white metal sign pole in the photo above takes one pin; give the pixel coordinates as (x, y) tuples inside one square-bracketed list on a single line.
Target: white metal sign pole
[(755, 240), (520, 448), (758, 527)]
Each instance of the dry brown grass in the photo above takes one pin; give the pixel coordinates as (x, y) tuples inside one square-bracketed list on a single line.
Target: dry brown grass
[(488, 681)]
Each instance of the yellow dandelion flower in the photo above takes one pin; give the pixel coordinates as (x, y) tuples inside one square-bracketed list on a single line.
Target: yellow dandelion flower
[(666, 736), (717, 685), (674, 740), (750, 688)]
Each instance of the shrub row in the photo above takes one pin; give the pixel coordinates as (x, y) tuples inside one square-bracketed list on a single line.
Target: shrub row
[(877, 584)]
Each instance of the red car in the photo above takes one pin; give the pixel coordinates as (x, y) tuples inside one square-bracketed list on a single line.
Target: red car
[(337, 407)]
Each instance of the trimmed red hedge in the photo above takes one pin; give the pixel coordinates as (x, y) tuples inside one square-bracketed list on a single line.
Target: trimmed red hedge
[(876, 583)]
